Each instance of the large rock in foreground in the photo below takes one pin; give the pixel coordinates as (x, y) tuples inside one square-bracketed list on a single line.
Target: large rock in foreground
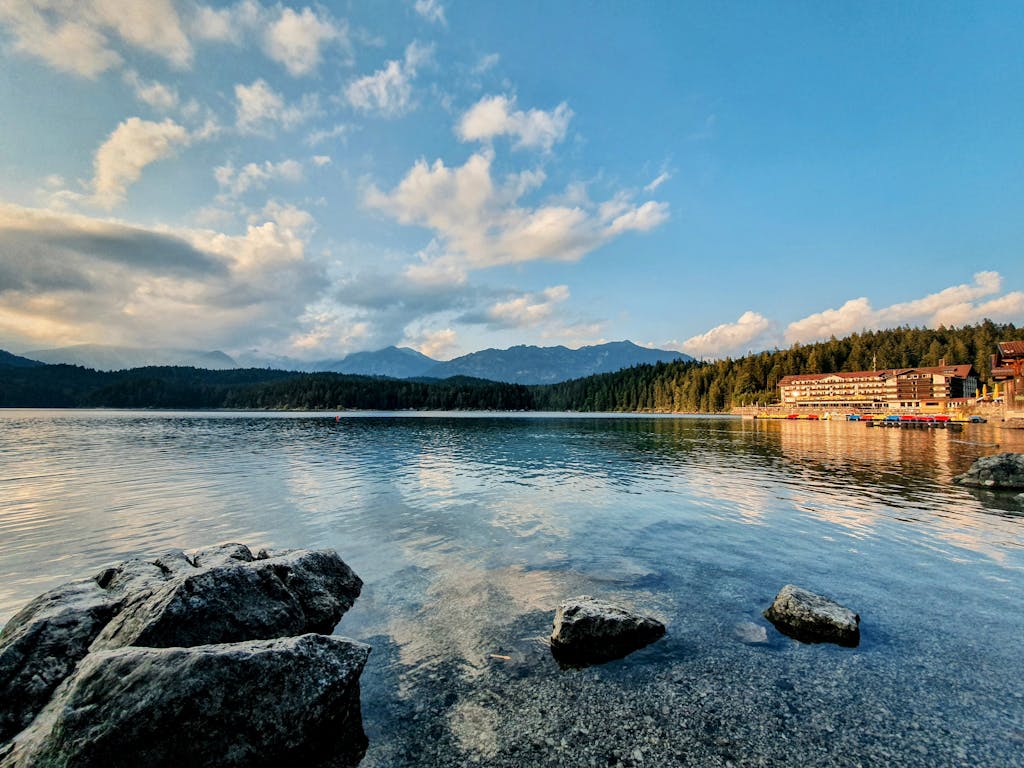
[(292, 701), (811, 618), (1004, 470), (222, 594), (590, 631)]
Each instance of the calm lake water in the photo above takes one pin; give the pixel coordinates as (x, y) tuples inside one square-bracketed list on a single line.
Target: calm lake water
[(469, 529)]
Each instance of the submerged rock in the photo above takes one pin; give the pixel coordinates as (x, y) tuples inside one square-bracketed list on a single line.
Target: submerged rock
[(591, 631), (1003, 470), (291, 701), (750, 633), (213, 596), (811, 618)]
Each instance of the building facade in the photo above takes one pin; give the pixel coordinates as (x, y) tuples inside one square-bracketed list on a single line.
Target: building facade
[(1008, 373), (936, 388)]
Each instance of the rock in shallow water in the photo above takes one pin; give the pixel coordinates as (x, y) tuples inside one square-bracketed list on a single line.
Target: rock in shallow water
[(1001, 471), (811, 618), (218, 595), (590, 631), (290, 701)]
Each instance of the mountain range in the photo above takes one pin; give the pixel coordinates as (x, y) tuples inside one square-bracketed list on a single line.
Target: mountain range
[(520, 364), (102, 357)]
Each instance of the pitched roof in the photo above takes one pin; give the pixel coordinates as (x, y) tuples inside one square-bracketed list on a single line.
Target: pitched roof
[(1011, 348)]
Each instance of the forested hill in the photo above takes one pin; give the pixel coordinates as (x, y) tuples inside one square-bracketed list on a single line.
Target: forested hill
[(726, 383), (682, 386), (69, 386)]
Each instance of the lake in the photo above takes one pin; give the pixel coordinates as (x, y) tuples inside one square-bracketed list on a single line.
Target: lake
[(469, 529)]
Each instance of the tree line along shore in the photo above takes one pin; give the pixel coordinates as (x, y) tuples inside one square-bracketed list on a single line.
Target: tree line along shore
[(675, 387)]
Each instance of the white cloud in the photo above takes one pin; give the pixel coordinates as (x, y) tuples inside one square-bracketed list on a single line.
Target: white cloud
[(259, 107), (431, 10), (235, 183), (486, 63), (74, 36), (658, 181), (339, 131), (956, 305), (96, 280), (481, 224), (440, 344), (133, 145), (495, 116), (157, 95), (295, 40), (728, 338), (528, 309), (321, 160), (388, 91)]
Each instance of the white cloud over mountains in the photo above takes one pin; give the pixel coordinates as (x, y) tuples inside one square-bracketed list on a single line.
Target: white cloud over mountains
[(67, 278), (728, 338)]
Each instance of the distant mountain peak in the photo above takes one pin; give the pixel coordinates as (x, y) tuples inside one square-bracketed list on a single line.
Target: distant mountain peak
[(103, 357), (527, 364)]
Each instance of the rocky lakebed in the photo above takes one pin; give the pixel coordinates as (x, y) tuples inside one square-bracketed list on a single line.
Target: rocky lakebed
[(226, 657)]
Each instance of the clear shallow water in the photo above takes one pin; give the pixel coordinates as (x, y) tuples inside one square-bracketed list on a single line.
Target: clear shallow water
[(469, 530)]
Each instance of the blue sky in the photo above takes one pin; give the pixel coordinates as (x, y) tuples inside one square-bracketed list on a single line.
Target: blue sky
[(312, 180)]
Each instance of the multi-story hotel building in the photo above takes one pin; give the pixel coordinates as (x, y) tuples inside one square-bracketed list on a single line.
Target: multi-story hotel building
[(933, 387)]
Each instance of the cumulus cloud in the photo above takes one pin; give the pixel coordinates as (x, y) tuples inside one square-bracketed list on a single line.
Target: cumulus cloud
[(258, 107), (528, 309), (388, 91), (78, 36), (236, 182), (440, 343), (295, 40), (68, 278), (133, 145), (157, 95), (496, 116), (431, 10), (480, 223), (956, 305), (728, 338)]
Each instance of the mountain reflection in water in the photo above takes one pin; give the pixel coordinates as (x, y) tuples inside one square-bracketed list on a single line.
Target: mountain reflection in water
[(468, 529)]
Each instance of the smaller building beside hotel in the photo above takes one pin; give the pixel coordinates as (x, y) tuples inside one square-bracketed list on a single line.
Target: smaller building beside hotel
[(935, 387), (1007, 372)]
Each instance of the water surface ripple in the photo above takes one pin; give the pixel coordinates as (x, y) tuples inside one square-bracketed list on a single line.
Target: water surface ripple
[(468, 529)]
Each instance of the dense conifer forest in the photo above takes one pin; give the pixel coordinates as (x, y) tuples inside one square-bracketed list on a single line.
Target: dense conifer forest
[(707, 387)]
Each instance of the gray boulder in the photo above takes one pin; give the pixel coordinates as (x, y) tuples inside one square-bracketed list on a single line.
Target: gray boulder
[(234, 599), (1001, 471), (811, 618), (590, 631), (217, 595), (291, 701), (44, 641)]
